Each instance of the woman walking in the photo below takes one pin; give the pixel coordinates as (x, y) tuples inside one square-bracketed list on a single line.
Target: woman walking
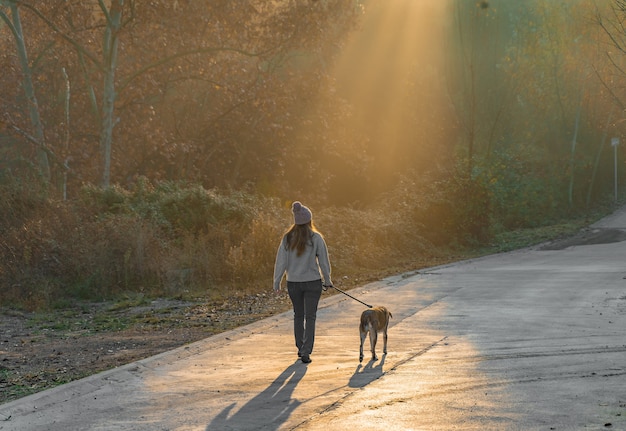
[(303, 257)]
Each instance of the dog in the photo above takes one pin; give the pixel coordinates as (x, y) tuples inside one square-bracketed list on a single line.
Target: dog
[(373, 321)]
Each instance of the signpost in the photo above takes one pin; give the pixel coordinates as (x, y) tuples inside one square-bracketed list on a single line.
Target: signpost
[(614, 144)]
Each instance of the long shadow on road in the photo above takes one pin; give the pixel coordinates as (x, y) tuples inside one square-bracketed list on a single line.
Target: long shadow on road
[(269, 409)]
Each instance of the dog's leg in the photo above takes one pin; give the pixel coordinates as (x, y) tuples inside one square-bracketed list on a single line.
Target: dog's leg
[(385, 336), (363, 335), (385, 341), (373, 339)]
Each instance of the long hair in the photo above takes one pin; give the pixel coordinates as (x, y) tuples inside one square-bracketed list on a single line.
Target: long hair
[(298, 236)]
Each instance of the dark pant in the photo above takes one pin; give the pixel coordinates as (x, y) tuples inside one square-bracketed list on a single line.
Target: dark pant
[(304, 296)]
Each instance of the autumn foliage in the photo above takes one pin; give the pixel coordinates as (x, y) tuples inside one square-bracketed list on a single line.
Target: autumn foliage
[(157, 145), (209, 92)]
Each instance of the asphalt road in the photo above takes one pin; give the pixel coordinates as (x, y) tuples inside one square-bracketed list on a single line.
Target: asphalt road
[(528, 340)]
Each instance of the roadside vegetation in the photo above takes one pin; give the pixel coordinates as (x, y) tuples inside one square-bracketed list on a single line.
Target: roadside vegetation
[(178, 240)]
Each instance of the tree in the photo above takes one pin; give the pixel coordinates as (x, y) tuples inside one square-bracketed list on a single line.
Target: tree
[(473, 79), (14, 23), (109, 53), (531, 87), (186, 86)]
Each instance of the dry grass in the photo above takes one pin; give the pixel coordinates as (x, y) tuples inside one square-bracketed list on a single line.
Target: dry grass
[(180, 241)]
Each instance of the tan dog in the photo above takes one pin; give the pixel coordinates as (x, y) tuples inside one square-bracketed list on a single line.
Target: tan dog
[(373, 321)]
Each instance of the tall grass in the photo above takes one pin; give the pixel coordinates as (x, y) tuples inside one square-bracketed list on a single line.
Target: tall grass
[(181, 240)]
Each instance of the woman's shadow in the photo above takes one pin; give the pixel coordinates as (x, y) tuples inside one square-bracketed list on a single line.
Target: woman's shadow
[(269, 409)]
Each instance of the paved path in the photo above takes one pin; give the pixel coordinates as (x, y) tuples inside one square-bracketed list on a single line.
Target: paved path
[(529, 340)]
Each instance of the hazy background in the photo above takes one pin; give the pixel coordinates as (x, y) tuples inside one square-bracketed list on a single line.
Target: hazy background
[(157, 146)]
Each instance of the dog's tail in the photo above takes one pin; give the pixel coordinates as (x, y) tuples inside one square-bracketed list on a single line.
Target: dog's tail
[(364, 326), (366, 323)]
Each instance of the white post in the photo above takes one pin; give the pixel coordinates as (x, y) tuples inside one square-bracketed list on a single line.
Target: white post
[(614, 144)]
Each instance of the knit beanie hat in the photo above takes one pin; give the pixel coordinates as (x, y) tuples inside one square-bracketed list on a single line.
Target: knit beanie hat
[(301, 214)]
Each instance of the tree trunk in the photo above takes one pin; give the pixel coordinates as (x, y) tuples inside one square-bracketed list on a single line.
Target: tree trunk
[(596, 162), (29, 90), (110, 47), (572, 160)]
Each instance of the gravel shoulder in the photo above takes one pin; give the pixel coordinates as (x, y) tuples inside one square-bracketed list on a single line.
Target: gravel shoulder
[(39, 351)]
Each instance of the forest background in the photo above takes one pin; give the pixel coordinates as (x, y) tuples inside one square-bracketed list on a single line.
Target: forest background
[(154, 148)]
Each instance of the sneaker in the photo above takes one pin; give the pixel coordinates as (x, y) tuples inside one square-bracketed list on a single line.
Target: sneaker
[(306, 359)]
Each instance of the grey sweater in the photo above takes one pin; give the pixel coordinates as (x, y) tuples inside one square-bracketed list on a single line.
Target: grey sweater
[(311, 265)]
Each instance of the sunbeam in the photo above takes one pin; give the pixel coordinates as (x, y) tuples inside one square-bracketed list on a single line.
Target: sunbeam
[(391, 74)]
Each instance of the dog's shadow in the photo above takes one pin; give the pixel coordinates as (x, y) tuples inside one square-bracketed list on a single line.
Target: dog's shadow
[(269, 409), (366, 374)]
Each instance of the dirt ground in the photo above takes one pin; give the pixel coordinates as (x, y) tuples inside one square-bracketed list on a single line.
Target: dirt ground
[(38, 351)]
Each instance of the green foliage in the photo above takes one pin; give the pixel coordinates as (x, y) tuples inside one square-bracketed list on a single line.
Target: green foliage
[(7, 379), (193, 209), (524, 189), (520, 238), (467, 210), (107, 200), (173, 205), (445, 209)]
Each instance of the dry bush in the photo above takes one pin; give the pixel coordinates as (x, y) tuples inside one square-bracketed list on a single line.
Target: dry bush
[(194, 263), (364, 241), (178, 240), (59, 253), (251, 262), (160, 241), (112, 255)]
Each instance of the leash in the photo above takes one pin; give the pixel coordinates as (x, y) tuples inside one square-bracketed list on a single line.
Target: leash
[(347, 294)]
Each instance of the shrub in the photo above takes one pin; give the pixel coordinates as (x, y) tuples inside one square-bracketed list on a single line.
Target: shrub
[(176, 239), (445, 210)]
